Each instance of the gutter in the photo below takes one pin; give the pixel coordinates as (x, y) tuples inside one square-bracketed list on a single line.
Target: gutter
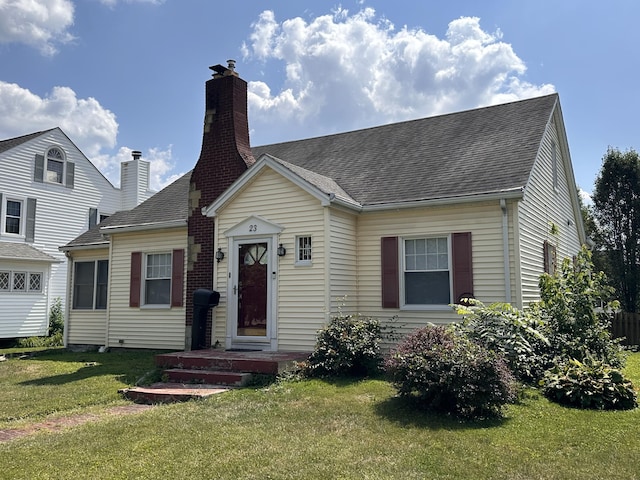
[(505, 249), (516, 193), (143, 226)]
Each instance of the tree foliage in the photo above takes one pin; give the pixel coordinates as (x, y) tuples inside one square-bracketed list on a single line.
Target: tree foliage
[(616, 208)]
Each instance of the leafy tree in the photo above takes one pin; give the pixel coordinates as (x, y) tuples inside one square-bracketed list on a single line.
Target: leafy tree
[(616, 208)]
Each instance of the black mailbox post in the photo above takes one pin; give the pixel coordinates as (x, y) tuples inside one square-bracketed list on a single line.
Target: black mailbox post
[(203, 300)]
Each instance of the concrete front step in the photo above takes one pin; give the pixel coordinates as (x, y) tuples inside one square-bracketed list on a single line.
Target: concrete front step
[(196, 376), (170, 392)]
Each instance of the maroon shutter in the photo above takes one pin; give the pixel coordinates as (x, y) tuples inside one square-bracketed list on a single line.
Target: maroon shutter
[(177, 278), (390, 273), (462, 266), (136, 273)]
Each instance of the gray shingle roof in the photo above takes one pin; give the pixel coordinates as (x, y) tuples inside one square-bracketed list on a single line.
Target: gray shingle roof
[(10, 143), (23, 251), (485, 150), (168, 205)]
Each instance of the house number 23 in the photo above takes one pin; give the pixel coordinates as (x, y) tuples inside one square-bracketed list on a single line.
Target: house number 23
[(253, 228)]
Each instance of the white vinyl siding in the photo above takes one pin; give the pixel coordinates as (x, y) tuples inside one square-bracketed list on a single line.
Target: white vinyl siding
[(543, 209), (301, 294), (145, 327), (24, 311), (86, 326), (343, 262), (483, 220)]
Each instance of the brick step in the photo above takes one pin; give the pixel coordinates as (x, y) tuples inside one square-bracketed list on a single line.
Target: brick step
[(170, 392), (196, 376), (269, 363)]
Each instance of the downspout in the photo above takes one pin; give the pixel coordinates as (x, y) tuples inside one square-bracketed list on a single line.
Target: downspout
[(505, 250), (67, 306)]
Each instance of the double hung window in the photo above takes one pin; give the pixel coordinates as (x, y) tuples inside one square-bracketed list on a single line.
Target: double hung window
[(157, 282), (90, 285), (427, 278)]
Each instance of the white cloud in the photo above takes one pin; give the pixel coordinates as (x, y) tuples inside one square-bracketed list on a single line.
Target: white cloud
[(160, 166), (91, 126), (42, 24), (585, 196), (346, 71), (113, 3), (88, 124)]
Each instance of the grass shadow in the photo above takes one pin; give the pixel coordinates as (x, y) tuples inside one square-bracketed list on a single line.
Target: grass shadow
[(405, 412), (125, 366)]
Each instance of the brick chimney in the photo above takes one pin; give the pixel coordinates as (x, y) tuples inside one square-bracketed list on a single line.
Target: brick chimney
[(224, 156)]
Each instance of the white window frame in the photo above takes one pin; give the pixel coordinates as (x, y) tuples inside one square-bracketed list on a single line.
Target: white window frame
[(62, 160), (94, 294), (11, 279), (304, 250), (146, 278), (23, 216), (403, 264)]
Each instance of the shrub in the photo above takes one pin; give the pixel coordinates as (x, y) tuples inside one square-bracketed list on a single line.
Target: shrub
[(589, 384), (56, 327), (576, 306), (508, 331), (348, 346), (445, 371)]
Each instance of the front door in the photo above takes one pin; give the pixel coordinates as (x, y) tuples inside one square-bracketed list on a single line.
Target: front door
[(253, 289)]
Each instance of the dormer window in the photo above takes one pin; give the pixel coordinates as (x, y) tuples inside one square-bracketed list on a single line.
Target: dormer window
[(55, 165)]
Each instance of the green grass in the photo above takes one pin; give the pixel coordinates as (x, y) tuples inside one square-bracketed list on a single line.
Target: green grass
[(319, 430), (57, 382)]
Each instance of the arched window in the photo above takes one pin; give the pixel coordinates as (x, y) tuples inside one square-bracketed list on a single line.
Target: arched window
[(55, 165)]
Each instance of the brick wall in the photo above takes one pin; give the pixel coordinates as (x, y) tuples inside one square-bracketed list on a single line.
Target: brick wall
[(224, 156)]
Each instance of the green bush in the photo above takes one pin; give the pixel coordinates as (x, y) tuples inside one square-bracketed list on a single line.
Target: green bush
[(445, 371), (508, 331), (56, 327), (348, 346), (589, 384), (576, 307)]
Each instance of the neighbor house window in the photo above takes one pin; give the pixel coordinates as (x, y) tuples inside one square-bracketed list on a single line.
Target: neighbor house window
[(157, 281), (303, 250), (5, 281), (90, 285), (20, 281), (427, 278), (13, 217), (55, 165)]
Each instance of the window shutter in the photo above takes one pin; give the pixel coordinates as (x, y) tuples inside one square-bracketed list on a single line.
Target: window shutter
[(93, 217), (390, 273), (177, 278), (462, 266), (549, 253), (136, 275), (30, 230), (38, 172), (71, 174)]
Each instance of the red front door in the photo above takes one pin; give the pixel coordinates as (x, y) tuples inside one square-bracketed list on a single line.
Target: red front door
[(252, 289)]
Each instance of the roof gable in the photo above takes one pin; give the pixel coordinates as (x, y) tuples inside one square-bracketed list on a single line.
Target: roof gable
[(10, 143)]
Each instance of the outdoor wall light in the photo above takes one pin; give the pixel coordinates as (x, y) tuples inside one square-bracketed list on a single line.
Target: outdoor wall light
[(282, 251), (219, 254)]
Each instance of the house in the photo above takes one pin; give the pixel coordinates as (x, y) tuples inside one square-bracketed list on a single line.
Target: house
[(397, 220), (49, 194)]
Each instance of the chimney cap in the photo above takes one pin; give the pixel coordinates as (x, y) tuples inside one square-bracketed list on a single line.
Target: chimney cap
[(221, 71), (136, 154)]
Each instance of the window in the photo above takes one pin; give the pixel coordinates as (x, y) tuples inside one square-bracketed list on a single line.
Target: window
[(157, 281), (303, 250), (13, 217), (426, 271), (20, 282), (90, 285), (55, 165), (550, 257)]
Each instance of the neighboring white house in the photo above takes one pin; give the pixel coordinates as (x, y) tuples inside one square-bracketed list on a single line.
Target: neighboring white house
[(49, 194), (402, 219)]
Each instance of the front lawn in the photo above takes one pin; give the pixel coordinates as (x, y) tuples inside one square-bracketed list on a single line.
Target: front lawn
[(306, 430)]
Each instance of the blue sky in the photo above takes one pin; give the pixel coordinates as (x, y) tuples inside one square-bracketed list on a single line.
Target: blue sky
[(122, 75)]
